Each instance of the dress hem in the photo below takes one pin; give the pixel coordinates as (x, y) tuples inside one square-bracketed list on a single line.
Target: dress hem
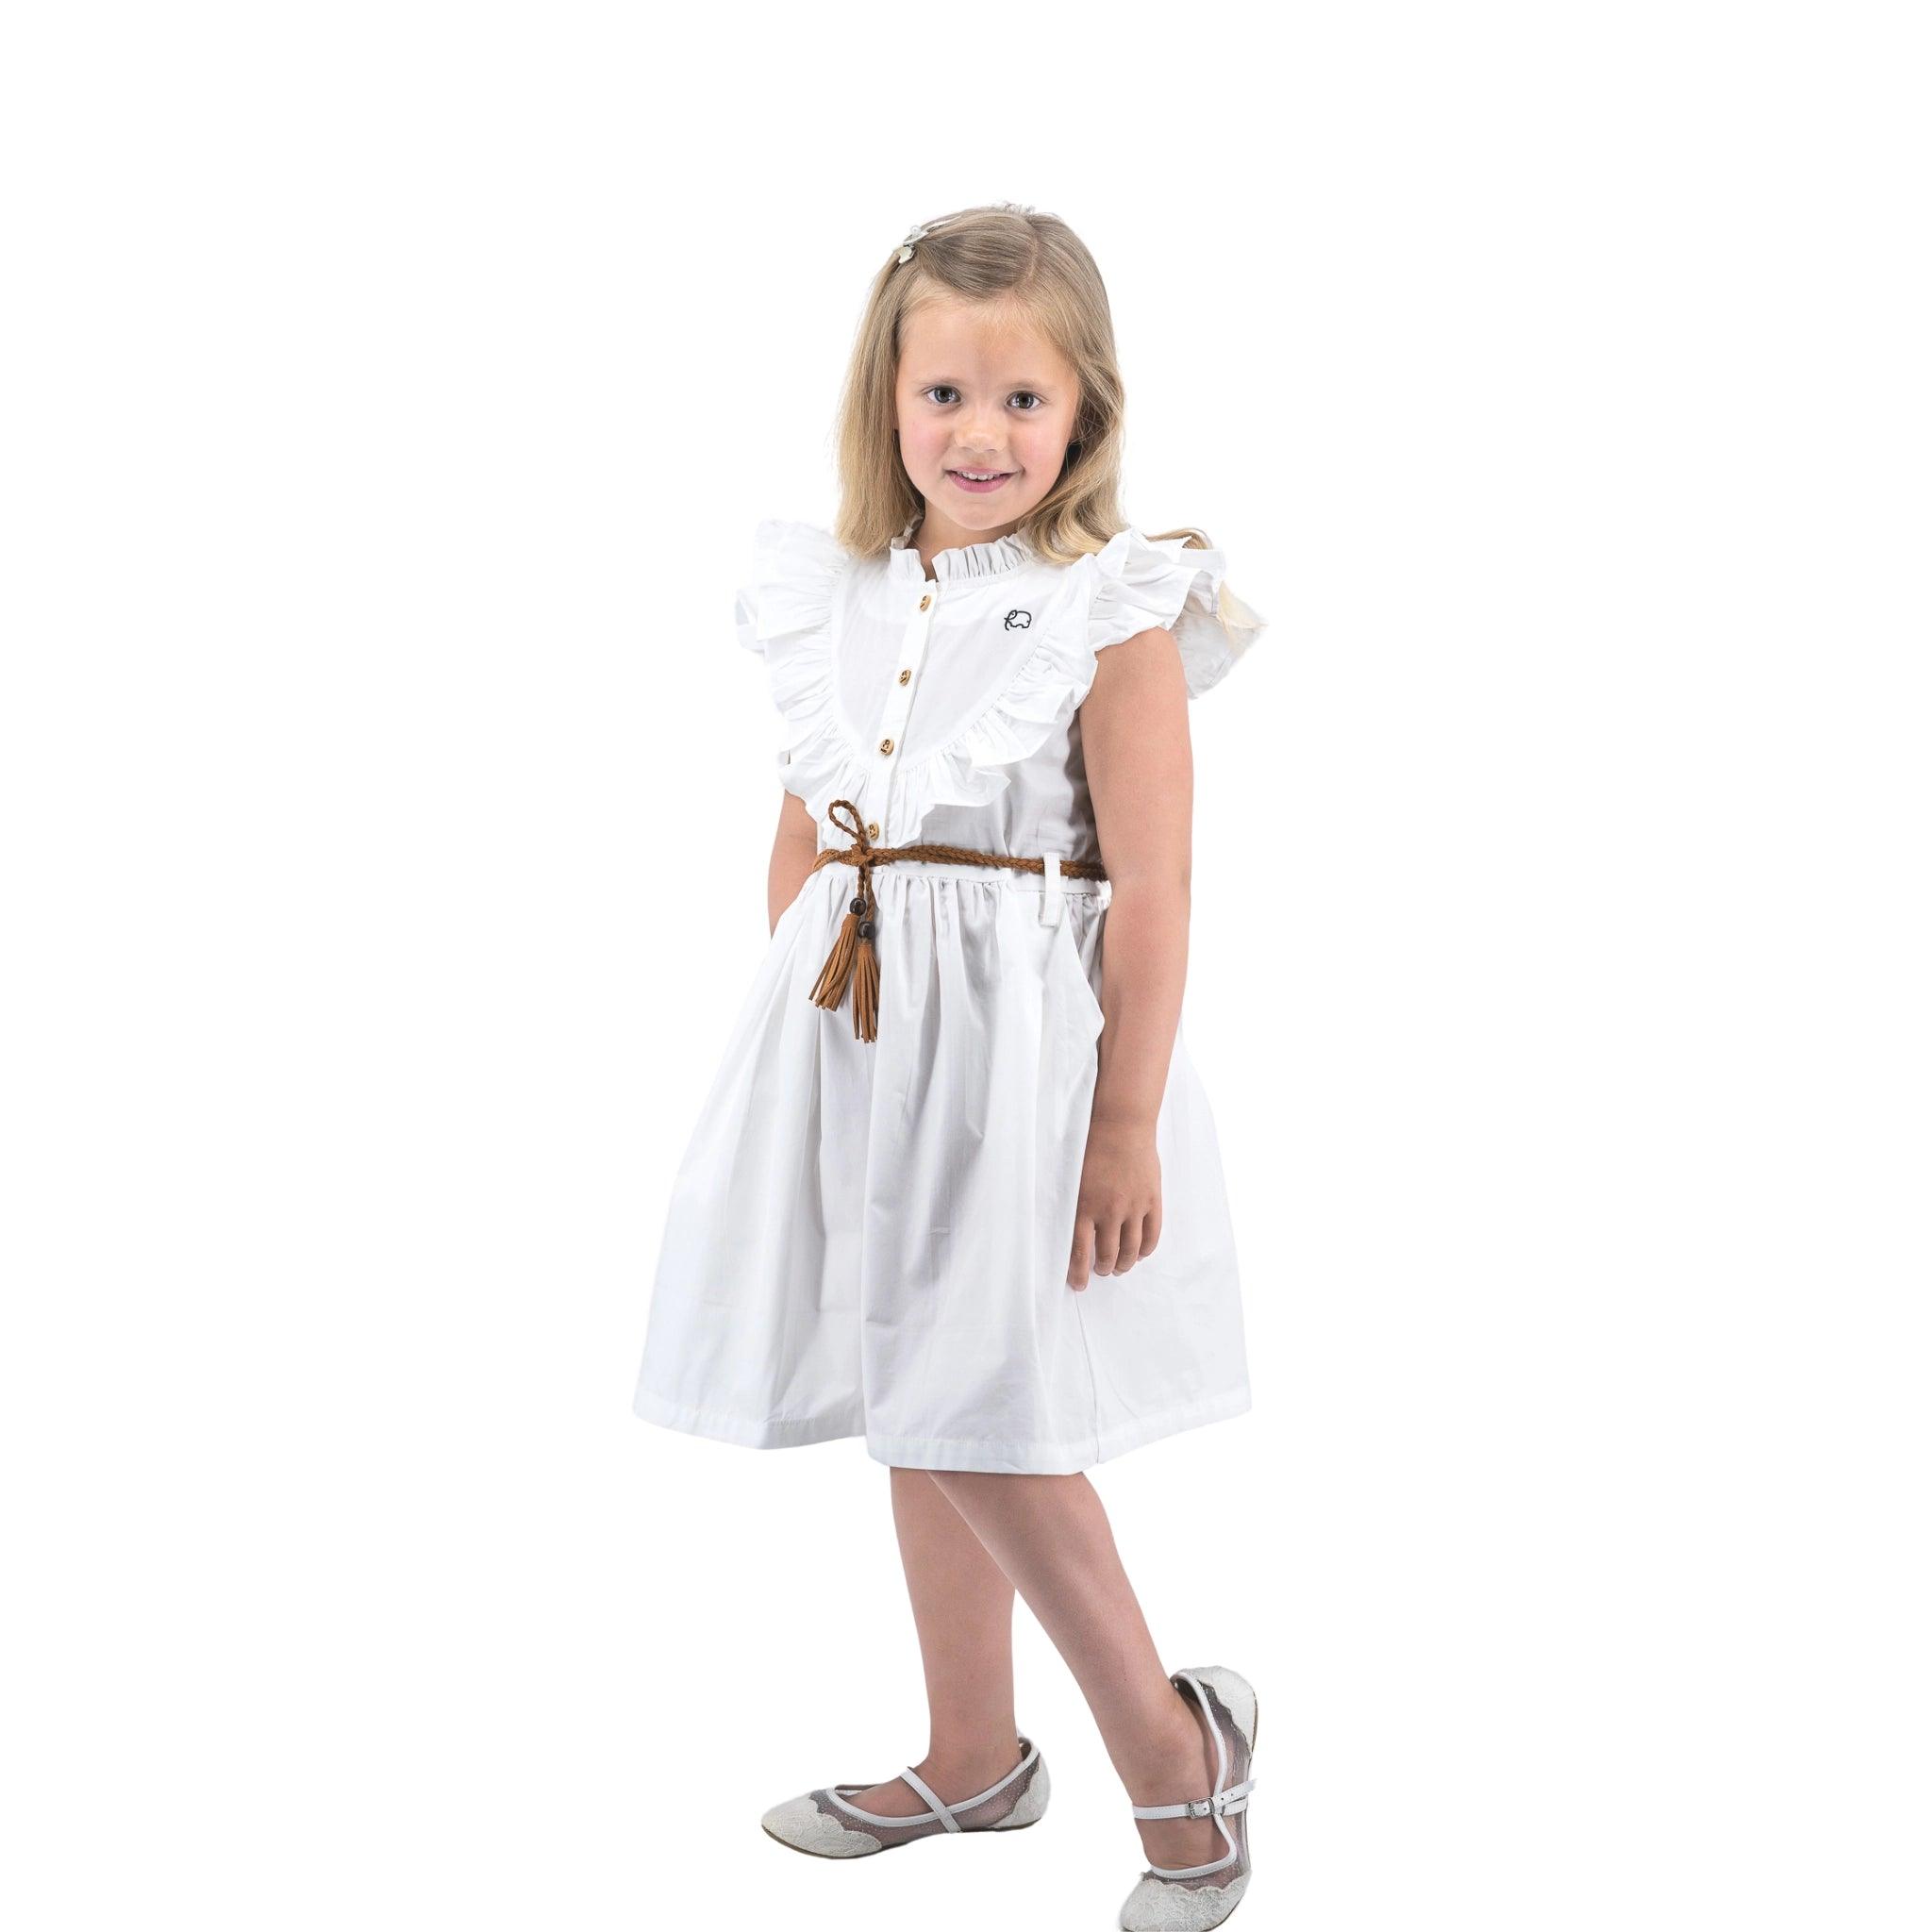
[(1033, 1458)]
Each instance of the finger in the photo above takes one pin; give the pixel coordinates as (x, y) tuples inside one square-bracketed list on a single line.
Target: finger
[(1081, 1262), (1106, 1245), (1130, 1246), (1150, 1237)]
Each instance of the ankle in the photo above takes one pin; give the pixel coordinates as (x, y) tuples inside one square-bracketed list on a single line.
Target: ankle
[(971, 1763), (1169, 1766)]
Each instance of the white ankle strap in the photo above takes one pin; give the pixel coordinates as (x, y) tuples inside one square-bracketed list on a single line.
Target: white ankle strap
[(941, 1811), (1235, 1798)]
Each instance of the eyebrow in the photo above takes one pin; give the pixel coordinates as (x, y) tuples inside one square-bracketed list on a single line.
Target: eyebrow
[(1012, 382)]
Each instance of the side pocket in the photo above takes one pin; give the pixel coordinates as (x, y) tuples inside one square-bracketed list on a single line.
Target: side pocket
[(1074, 975)]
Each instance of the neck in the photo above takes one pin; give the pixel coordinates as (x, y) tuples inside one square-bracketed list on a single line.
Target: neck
[(936, 531)]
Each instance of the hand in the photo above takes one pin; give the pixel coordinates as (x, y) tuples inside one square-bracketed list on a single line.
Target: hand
[(1118, 1219)]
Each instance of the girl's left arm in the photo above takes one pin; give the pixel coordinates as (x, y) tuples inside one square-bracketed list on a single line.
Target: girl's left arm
[(1141, 775), (794, 846)]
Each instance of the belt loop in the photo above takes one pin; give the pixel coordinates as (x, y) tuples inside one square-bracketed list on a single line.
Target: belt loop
[(1050, 900)]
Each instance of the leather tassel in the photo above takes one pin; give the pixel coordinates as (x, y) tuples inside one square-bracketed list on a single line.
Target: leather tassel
[(837, 969), (855, 961), (865, 993)]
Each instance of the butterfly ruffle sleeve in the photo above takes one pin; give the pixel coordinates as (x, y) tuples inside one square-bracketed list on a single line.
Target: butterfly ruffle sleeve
[(786, 610), (1144, 583)]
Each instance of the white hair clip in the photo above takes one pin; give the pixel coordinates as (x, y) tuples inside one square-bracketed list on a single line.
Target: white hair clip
[(918, 234)]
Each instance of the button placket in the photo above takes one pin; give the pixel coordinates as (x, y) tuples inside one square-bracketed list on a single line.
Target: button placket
[(899, 696)]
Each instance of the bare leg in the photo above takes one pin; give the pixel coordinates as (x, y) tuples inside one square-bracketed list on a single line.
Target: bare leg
[(962, 1605), (1050, 1535)]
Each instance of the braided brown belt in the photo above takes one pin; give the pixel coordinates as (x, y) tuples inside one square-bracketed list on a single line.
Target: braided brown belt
[(854, 958)]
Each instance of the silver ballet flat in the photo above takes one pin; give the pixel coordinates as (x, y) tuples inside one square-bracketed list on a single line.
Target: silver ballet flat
[(825, 1824), (1191, 1898)]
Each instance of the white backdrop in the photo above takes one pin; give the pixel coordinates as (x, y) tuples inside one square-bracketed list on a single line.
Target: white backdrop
[(388, 397)]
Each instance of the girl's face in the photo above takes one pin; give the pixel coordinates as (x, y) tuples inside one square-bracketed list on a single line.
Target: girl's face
[(977, 392)]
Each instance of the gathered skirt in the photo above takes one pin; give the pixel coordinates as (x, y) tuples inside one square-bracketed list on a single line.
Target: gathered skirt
[(871, 1239)]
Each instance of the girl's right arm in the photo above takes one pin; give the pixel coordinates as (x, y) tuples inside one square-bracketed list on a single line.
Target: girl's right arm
[(793, 847)]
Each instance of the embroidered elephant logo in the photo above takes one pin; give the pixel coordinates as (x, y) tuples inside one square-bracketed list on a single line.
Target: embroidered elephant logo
[(1019, 619)]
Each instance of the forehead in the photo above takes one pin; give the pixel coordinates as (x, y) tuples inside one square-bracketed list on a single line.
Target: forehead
[(977, 337)]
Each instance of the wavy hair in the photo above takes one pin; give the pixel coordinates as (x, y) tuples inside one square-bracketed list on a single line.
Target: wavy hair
[(1027, 265)]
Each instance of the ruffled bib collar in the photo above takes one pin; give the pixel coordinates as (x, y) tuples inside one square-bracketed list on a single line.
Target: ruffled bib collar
[(788, 610), (963, 560)]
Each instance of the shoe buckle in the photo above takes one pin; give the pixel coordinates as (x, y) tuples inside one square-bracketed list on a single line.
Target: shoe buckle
[(1208, 1808)]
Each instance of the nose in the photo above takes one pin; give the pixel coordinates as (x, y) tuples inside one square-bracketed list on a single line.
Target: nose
[(983, 440)]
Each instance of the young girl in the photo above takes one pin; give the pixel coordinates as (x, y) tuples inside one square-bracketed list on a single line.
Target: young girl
[(954, 1189)]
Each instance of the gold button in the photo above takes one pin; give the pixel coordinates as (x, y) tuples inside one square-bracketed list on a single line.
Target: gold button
[(905, 677), (885, 745), (871, 830), (925, 602)]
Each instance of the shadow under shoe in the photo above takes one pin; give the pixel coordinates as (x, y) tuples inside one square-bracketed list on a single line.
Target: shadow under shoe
[(827, 1824)]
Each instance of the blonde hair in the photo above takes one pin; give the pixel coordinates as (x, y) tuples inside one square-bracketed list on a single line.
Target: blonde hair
[(1028, 265)]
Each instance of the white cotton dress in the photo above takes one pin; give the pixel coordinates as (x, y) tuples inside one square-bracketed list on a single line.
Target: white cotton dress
[(871, 1239)]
